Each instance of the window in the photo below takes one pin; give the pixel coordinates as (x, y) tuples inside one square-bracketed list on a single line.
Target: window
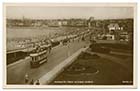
[(39, 57), (32, 58), (35, 58)]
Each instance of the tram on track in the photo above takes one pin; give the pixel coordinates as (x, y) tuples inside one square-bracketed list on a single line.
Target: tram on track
[(40, 55)]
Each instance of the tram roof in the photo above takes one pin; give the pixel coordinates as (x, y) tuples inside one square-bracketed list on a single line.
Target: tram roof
[(37, 53)]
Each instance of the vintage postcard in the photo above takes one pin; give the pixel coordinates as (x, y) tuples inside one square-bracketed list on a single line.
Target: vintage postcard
[(70, 45)]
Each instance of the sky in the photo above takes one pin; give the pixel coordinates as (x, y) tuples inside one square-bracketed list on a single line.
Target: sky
[(66, 12)]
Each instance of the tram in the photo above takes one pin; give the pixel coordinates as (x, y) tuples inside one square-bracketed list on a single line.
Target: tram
[(39, 55)]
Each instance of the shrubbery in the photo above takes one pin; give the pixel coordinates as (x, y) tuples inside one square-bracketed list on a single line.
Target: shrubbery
[(99, 48)]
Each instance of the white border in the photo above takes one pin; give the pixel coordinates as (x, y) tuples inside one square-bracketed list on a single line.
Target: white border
[(74, 4)]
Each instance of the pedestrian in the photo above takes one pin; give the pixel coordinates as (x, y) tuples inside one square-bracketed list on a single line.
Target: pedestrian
[(26, 78), (32, 82), (37, 83)]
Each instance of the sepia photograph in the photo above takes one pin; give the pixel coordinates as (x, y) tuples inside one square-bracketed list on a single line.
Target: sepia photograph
[(49, 45)]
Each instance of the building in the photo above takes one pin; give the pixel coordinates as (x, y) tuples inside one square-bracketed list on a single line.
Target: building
[(113, 27), (124, 36)]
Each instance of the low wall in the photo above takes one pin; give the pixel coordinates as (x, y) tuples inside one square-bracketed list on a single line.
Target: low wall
[(48, 77)]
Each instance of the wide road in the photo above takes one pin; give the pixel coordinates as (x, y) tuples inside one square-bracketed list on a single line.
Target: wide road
[(17, 71)]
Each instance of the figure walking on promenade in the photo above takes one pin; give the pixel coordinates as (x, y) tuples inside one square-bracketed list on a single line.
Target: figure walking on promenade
[(32, 82), (37, 83), (26, 78)]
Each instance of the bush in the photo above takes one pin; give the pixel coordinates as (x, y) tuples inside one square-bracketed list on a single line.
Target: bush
[(85, 55), (55, 43), (99, 48)]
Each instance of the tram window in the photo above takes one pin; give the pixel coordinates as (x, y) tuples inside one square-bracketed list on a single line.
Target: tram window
[(33, 58), (39, 57), (43, 56)]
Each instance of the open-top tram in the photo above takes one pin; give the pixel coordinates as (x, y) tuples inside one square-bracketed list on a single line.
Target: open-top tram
[(40, 55)]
